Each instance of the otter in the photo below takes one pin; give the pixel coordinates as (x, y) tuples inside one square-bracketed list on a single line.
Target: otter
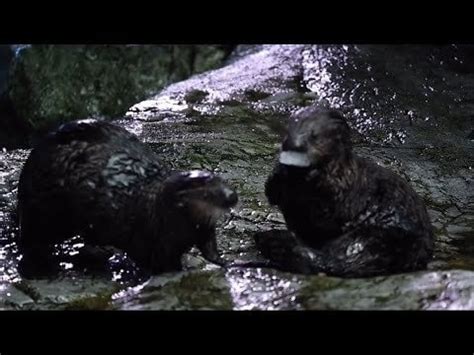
[(346, 216), (94, 179)]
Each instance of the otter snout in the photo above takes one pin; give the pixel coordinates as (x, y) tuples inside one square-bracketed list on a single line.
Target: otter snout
[(230, 197), (294, 158), (294, 142), (200, 188), (294, 151)]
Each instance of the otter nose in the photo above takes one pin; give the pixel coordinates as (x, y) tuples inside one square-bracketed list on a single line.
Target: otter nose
[(230, 196), (293, 144)]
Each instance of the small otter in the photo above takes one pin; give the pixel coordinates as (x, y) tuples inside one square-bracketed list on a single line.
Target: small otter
[(346, 215), (95, 179)]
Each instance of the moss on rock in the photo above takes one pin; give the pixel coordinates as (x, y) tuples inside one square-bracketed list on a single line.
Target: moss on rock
[(50, 84)]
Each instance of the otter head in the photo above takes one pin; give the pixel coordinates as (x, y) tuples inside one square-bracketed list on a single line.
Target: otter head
[(201, 198), (204, 195), (315, 136)]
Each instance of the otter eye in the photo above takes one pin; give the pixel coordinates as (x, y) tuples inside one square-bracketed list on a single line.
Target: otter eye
[(314, 136), (197, 183)]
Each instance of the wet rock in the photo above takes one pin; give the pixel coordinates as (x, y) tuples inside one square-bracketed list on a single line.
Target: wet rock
[(67, 293), (241, 51), (14, 299), (230, 120), (271, 70), (424, 290), (202, 290), (266, 289)]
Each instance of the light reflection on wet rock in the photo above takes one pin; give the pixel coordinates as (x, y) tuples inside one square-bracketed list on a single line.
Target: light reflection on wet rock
[(262, 289)]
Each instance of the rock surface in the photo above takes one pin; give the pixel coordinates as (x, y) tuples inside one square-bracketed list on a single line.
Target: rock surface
[(410, 109), (56, 83)]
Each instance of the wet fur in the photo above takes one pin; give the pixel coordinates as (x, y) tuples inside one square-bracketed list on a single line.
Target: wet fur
[(346, 216), (97, 180)]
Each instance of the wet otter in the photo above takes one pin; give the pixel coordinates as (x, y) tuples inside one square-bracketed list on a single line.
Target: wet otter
[(347, 216), (95, 179)]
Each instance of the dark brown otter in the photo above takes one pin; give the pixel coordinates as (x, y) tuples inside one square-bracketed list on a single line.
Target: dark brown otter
[(94, 179), (346, 216)]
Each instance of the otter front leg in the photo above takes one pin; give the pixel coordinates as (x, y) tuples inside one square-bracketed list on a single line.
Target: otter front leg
[(38, 261), (94, 258), (208, 248), (287, 254), (210, 252)]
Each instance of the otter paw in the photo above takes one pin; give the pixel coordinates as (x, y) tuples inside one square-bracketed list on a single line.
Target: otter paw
[(276, 245)]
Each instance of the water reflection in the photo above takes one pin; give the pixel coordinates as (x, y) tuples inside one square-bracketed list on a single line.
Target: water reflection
[(262, 289)]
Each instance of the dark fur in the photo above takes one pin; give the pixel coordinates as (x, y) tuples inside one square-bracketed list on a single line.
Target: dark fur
[(95, 179), (350, 216)]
